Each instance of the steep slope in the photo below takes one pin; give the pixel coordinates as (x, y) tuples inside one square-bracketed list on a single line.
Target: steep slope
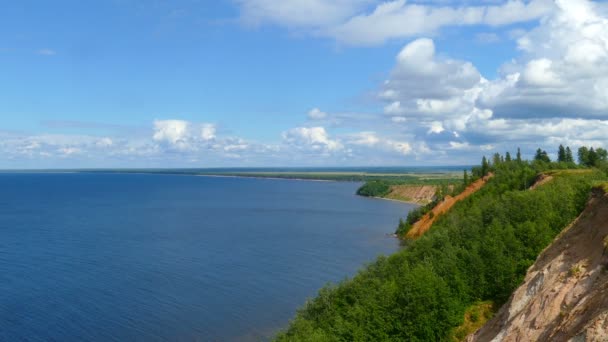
[(425, 223), (564, 296)]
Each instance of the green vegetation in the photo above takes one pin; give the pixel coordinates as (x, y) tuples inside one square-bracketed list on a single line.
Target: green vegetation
[(477, 252), (474, 318), (590, 157), (375, 188), (416, 214)]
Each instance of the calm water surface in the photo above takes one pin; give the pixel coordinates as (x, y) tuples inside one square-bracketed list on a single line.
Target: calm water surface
[(157, 257)]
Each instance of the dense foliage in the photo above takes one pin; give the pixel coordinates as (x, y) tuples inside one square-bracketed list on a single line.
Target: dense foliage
[(591, 157), (375, 188), (479, 251)]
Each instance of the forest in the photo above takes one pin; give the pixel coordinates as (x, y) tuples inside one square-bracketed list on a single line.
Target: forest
[(478, 252)]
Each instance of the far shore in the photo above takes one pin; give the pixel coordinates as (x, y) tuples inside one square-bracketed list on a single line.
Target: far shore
[(262, 177)]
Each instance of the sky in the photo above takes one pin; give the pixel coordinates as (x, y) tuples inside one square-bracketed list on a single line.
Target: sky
[(242, 83)]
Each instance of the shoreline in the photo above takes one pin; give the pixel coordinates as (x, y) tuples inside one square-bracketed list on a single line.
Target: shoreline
[(394, 200)]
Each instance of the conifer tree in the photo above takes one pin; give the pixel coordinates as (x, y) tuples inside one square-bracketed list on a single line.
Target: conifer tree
[(569, 156), (485, 166), (561, 154), (518, 155)]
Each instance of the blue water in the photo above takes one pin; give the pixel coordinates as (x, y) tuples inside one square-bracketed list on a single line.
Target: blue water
[(160, 257)]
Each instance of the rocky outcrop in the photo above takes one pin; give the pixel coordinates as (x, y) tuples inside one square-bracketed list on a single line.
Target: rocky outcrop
[(564, 296)]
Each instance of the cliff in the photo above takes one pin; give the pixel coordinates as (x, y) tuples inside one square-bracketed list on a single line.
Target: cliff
[(425, 223), (564, 296)]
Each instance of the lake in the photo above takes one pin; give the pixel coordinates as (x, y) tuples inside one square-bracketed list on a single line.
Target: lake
[(164, 257)]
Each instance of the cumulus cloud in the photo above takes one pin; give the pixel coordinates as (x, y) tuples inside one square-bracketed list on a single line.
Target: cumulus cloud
[(563, 71), (423, 83), (554, 92), (313, 138), (183, 135), (208, 132)]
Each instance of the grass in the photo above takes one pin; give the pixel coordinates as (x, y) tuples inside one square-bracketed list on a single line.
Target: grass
[(575, 271), (474, 318), (569, 172)]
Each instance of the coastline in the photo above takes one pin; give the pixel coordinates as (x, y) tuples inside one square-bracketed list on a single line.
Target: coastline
[(394, 200)]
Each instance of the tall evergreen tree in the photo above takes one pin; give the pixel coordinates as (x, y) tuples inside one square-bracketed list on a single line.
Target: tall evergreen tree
[(561, 154), (583, 156), (497, 159), (542, 155), (592, 158), (508, 157), (569, 156), (518, 155), (485, 166)]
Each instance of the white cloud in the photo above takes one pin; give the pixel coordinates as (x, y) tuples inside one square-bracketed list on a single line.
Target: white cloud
[(563, 70), (208, 132), (316, 114), (314, 138), (351, 22), (561, 74), (372, 140), (421, 82), (400, 147), (369, 139), (436, 127), (172, 131), (104, 142), (183, 135), (299, 13)]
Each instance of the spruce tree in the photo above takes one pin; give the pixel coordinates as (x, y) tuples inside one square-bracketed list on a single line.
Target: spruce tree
[(561, 154), (569, 156), (485, 166), (518, 155), (583, 156)]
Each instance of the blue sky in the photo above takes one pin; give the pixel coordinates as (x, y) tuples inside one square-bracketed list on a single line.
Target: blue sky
[(129, 83)]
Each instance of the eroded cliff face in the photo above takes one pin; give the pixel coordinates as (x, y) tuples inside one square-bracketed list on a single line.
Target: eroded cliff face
[(564, 296)]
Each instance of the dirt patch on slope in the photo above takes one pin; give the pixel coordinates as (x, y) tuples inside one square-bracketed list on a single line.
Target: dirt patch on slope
[(541, 180), (420, 194), (425, 223), (565, 293)]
